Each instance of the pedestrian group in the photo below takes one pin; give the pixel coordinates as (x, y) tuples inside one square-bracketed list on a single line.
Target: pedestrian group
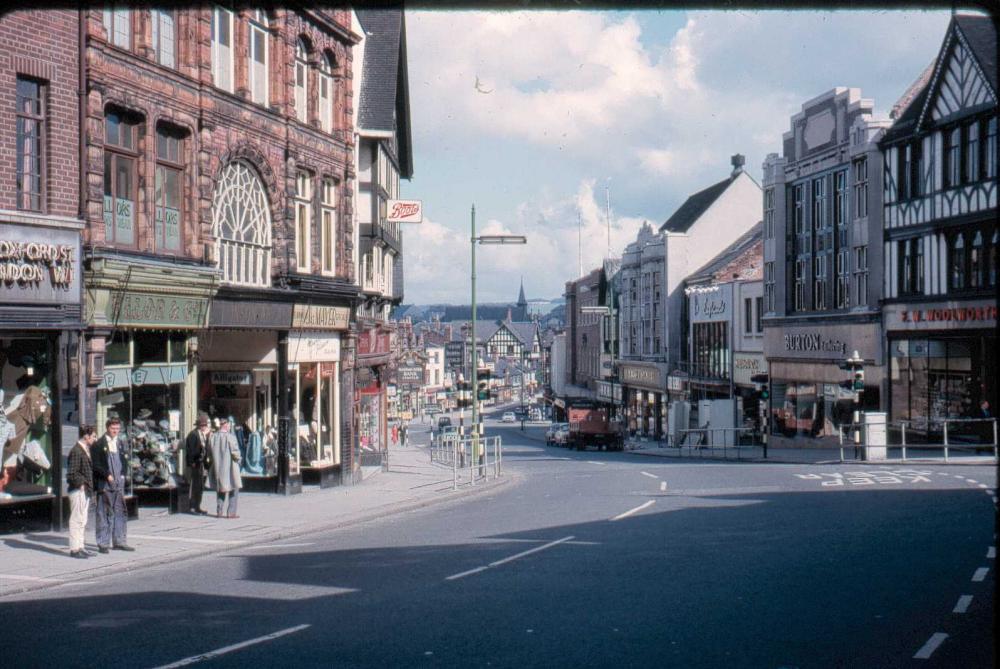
[(96, 467)]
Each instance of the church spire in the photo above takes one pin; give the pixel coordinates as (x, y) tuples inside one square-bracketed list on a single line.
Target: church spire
[(521, 302)]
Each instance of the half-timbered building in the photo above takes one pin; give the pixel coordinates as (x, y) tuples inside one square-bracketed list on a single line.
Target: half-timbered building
[(940, 240)]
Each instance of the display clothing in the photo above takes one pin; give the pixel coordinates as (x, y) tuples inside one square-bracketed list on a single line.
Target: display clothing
[(109, 462)]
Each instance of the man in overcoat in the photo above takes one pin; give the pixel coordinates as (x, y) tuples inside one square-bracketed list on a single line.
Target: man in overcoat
[(197, 455), (225, 470)]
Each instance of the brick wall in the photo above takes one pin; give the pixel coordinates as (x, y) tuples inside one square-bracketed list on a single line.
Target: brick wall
[(42, 45), (223, 126)]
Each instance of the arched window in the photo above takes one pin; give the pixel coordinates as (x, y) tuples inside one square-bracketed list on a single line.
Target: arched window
[(241, 225), (301, 80), (976, 261), (327, 65), (957, 273)]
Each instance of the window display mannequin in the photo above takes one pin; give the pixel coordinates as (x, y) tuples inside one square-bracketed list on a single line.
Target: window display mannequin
[(21, 455)]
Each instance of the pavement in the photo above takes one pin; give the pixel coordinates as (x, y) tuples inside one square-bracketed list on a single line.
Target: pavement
[(39, 560)]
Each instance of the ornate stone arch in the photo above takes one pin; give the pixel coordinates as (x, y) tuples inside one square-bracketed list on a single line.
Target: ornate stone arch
[(241, 225)]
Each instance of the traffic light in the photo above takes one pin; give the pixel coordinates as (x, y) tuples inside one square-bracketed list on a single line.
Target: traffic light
[(765, 393), (859, 380), (483, 392)]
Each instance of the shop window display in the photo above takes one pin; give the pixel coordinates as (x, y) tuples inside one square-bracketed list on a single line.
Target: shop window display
[(811, 410), (316, 410), (143, 386), (246, 398), (25, 419)]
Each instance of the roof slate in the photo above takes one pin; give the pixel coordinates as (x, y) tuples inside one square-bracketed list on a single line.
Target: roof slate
[(695, 206)]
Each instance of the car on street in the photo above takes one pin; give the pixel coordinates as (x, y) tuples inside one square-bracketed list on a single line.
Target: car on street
[(444, 421), (550, 433), (508, 417)]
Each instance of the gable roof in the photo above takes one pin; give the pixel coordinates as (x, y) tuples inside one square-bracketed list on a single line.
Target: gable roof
[(385, 94), (695, 206), (981, 36)]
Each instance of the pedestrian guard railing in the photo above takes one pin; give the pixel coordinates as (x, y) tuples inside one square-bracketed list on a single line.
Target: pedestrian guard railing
[(900, 441), (715, 441), (471, 458)]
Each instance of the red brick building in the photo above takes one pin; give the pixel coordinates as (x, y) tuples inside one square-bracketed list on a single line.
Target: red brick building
[(40, 287), (219, 172)]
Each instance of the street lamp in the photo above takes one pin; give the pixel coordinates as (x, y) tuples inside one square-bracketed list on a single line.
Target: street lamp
[(473, 240)]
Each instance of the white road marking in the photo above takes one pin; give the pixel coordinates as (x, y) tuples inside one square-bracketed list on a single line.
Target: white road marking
[(652, 476), (663, 486), (34, 579), (971, 481), (505, 560), (983, 486), (932, 645), (980, 574), (991, 553), (236, 646), (185, 540), (963, 604), (644, 505), (958, 476), (595, 462)]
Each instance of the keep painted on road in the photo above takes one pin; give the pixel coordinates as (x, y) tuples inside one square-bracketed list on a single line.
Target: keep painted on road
[(865, 478)]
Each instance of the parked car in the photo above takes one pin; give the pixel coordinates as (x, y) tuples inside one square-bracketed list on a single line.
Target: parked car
[(508, 417), (444, 421), (561, 437), (535, 414), (550, 433)]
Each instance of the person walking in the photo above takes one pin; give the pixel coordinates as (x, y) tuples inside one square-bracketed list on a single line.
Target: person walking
[(108, 459), (80, 483), (225, 469), (402, 434), (196, 456)]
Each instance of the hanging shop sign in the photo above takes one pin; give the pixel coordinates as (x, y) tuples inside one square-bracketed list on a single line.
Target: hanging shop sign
[(249, 314), (405, 211), (942, 315), (147, 310), (314, 347), (314, 317), (39, 266), (410, 375), (676, 383), (146, 375), (372, 342)]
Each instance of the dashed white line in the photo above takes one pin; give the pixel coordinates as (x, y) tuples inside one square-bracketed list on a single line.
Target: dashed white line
[(963, 604), (637, 509), (991, 553), (983, 486), (236, 646), (932, 645), (505, 560), (958, 476), (980, 574), (973, 481), (595, 462), (652, 476)]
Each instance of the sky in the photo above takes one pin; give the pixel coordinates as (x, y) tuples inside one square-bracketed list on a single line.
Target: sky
[(540, 118)]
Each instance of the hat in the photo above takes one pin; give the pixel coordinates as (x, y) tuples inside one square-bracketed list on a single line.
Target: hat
[(202, 420)]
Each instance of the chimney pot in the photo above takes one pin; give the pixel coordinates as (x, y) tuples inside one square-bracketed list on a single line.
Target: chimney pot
[(738, 161)]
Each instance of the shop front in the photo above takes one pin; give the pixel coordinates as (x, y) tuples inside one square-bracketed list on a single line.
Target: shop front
[(746, 365), (142, 364), (645, 398), (40, 320), (314, 373), (808, 404), (942, 367), (238, 379), (370, 394)]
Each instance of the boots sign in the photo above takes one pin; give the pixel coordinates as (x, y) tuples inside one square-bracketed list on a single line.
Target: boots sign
[(405, 211)]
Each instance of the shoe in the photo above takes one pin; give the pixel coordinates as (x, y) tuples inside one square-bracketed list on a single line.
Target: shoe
[(203, 512), (86, 553), (232, 516), (123, 547), (77, 554), (103, 549)]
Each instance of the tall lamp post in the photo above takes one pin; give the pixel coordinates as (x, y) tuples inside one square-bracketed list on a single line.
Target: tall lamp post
[(473, 240)]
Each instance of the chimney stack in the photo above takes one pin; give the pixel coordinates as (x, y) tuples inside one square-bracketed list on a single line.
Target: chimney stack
[(738, 161)]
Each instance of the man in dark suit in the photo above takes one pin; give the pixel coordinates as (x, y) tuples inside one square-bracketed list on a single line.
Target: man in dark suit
[(110, 467), (196, 456)]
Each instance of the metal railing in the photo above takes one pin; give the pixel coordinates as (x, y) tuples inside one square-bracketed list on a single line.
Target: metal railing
[(470, 458), (726, 439), (961, 435)]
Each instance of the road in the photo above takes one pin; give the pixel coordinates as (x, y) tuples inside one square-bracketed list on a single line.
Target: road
[(585, 559)]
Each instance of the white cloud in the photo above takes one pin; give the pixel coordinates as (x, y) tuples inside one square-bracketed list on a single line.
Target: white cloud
[(584, 92)]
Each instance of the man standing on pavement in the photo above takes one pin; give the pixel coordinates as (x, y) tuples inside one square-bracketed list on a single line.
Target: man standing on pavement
[(110, 465), (225, 469), (80, 483), (196, 455), (402, 434)]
